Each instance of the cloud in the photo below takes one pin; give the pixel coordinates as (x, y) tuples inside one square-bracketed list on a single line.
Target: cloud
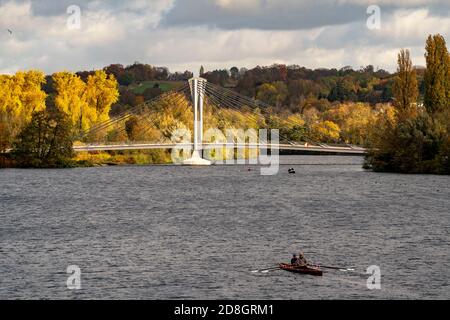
[(259, 14), (185, 34), (284, 14)]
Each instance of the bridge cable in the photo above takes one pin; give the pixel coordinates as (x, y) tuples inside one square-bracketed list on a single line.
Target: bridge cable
[(175, 101), (125, 115), (148, 117), (129, 113), (225, 93), (252, 117)]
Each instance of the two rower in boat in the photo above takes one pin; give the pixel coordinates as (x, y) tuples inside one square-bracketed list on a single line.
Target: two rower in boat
[(300, 265), (299, 261)]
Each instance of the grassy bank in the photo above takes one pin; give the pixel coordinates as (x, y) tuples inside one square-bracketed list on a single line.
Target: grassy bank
[(136, 157), (146, 157), (163, 85), (110, 158)]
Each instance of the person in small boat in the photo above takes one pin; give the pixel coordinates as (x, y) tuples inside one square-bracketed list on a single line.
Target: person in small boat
[(302, 260), (294, 260)]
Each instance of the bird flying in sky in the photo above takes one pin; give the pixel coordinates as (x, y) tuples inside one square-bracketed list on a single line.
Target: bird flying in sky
[(10, 31)]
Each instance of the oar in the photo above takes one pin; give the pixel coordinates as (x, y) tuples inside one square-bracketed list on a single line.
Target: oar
[(271, 269), (334, 268), (344, 269), (266, 270)]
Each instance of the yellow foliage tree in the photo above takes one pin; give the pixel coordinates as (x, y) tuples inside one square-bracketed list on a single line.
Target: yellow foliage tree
[(70, 99), (85, 103), (140, 130), (353, 119), (171, 113), (326, 131), (32, 97), (101, 92), (20, 96)]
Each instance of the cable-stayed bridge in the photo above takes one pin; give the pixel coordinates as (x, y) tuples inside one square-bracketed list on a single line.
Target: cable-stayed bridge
[(206, 146), (195, 95)]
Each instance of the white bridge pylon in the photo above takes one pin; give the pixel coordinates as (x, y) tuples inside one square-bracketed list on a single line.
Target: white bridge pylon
[(197, 86)]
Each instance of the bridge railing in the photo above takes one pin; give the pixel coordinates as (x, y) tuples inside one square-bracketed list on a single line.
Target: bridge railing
[(206, 146)]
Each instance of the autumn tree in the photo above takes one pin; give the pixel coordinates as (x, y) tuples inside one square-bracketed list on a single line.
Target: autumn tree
[(405, 86), (139, 129), (416, 142), (345, 90), (353, 120), (71, 99), (101, 93), (168, 114), (437, 75), (45, 142), (294, 128), (273, 93), (325, 131), (85, 103), (20, 96)]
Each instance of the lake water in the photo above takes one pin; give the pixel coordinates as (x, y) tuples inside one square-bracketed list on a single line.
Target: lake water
[(170, 232)]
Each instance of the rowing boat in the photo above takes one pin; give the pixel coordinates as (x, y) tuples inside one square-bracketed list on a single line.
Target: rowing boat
[(304, 270)]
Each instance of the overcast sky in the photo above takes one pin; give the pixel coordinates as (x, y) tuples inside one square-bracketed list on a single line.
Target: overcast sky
[(184, 34)]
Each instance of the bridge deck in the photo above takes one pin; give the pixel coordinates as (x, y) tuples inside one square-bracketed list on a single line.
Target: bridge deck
[(291, 147)]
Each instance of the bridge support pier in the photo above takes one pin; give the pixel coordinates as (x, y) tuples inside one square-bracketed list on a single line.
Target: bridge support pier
[(197, 86)]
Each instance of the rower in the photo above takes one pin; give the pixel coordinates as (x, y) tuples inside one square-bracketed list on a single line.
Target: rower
[(294, 260), (302, 260)]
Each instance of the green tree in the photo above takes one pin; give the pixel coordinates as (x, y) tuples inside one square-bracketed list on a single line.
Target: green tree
[(437, 75), (405, 89), (46, 142), (410, 146), (234, 71), (126, 79), (444, 156), (273, 93)]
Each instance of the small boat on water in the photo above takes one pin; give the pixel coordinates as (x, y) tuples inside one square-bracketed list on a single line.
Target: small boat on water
[(314, 271)]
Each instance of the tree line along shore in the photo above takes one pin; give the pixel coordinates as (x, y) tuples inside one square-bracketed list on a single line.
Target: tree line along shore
[(403, 118)]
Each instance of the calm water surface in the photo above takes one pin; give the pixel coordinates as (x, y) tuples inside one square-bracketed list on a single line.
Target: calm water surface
[(166, 232)]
